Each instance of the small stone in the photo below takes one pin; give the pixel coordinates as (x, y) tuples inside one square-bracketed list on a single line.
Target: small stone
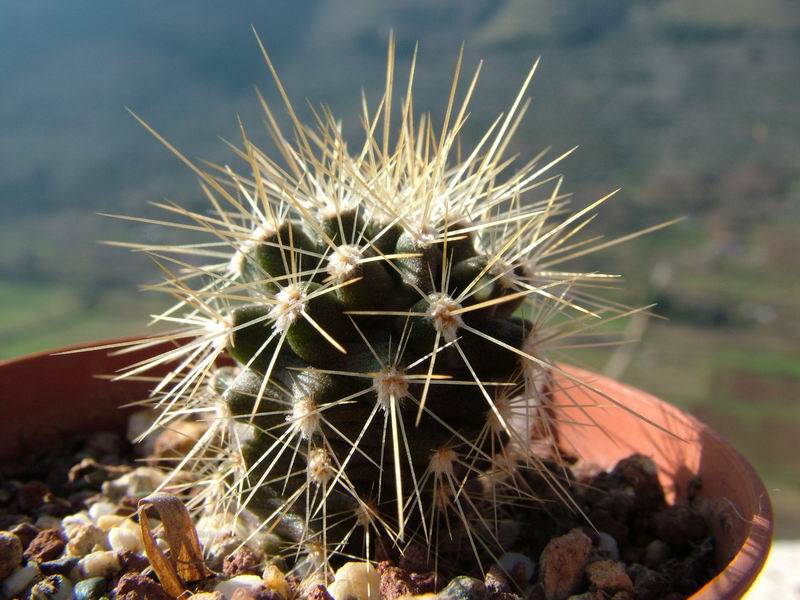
[(132, 562), (395, 582), (519, 568), (47, 545), (655, 553), (54, 587), (90, 589), (609, 576), (218, 550), (60, 566), (25, 532), (101, 509), (357, 580), (255, 593), (99, 564), (680, 525), (133, 586), (10, 553), (84, 539), (426, 583), (178, 439), (126, 537), (464, 588), (496, 581), (71, 523), (227, 588), (318, 592), (139, 483), (641, 473), (19, 580), (108, 522), (30, 495), (608, 546), (562, 563), (241, 561), (275, 580)]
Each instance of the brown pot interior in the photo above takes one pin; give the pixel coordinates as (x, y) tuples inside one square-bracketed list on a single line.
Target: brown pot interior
[(45, 396), (682, 447)]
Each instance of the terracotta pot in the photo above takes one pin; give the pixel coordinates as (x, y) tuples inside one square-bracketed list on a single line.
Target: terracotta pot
[(45, 396)]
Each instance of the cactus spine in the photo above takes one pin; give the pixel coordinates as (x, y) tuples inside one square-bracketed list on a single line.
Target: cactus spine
[(389, 313)]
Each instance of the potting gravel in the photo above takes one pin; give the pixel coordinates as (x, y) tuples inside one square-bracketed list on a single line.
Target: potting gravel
[(69, 529)]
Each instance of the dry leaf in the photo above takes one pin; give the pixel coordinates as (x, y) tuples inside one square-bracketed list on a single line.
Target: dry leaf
[(186, 563)]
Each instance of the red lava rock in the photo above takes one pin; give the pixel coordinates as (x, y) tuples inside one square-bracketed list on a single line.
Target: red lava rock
[(25, 532), (395, 582), (241, 561), (47, 545), (609, 576), (30, 495), (562, 563), (680, 525), (133, 586), (641, 473), (247, 592), (318, 592), (132, 562)]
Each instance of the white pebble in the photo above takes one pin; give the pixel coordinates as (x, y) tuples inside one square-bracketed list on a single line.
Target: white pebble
[(83, 539), (126, 536), (609, 544), (101, 509), (107, 522), (357, 580), (99, 564), (275, 580), (231, 585), (71, 523), (20, 579), (139, 483)]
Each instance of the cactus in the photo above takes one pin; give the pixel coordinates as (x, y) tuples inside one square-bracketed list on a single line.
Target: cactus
[(387, 320)]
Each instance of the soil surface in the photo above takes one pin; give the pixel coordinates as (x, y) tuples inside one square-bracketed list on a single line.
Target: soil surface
[(68, 528)]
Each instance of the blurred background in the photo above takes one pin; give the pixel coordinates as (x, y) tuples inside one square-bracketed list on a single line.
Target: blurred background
[(692, 107)]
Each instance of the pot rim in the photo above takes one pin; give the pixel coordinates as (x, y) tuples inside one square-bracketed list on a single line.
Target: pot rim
[(732, 582), (741, 572)]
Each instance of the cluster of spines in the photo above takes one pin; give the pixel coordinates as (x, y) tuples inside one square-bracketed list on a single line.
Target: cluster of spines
[(391, 313)]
